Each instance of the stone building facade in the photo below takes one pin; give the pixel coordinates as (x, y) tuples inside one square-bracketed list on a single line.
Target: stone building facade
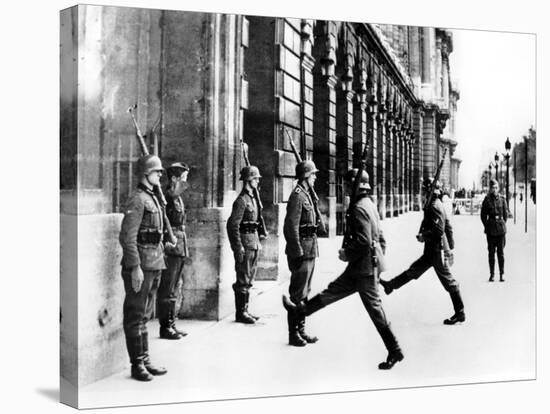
[(204, 82)]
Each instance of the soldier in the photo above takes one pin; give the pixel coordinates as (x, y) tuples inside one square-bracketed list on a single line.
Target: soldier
[(435, 226), (494, 213), (175, 256), (300, 231), (142, 264), (363, 253), (242, 230)]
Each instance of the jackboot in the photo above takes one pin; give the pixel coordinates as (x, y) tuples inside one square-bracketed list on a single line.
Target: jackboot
[(294, 338), (246, 300), (138, 370), (458, 305), (393, 358), (172, 320), (502, 277), (146, 360), (240, 310), (491, 277), (387, 286), (302, 331)]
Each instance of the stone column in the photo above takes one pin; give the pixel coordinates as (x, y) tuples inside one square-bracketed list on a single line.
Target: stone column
[(417, 158), (324, 128)]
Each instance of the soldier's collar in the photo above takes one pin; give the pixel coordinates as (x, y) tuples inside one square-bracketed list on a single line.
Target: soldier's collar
[(143, 187)]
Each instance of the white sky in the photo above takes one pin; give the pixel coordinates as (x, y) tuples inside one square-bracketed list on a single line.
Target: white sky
[(496, 79)]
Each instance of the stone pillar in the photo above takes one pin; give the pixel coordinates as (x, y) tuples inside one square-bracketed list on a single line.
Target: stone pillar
[(324, 128), (390, 176), (380, 121), (417, 158), (429, 142)]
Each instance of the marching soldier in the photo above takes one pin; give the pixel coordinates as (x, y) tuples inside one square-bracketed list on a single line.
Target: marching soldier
[(435, 226), (142, 263), (300, 231), (242, 230), (364, 254), (175, 255), (494, 213)]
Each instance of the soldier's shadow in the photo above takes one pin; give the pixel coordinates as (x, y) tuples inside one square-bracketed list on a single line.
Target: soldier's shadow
[(51, 394)]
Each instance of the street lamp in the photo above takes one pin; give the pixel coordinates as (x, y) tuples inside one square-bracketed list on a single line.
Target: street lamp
[(507, 146)]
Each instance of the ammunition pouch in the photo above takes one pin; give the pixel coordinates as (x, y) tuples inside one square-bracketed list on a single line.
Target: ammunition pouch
[(248, 227), (149, 237), (308, 230)]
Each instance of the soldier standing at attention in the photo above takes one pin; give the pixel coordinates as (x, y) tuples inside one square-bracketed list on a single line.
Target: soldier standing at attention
[(174, 255), (300, 231), (364, 253), (242, 230), (142, 263), (434, 227), (494, 213)]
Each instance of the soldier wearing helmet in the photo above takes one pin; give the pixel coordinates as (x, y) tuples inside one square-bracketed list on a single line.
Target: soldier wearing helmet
[(141, 237), (300, 231), (435, 232), (364, 254), (242, 231), (175, 255)]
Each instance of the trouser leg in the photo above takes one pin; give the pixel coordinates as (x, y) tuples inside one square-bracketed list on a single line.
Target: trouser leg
[(301, 272), (136, 309), (450, 284), (416, 269), (368, 291), (500, 253), (491, 248), (245, 273)]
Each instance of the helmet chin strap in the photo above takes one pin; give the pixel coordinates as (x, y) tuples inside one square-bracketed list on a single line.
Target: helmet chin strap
[(149, 182)]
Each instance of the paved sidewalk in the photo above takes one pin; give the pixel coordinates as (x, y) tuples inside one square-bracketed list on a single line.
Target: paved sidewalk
[(226, 360)]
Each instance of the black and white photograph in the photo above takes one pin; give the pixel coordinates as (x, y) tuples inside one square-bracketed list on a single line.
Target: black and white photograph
[(255, 204)]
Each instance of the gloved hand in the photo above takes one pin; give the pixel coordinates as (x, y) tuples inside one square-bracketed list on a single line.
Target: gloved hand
[(420, 237), (137, 278)]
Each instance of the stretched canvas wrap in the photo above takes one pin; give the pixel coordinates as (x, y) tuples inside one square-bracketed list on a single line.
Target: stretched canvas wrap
[(216, 92)]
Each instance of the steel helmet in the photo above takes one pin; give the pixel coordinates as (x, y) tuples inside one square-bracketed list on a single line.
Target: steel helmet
[(250, 172), (363, 181), (429, 183), (148, 163), (305, 168)]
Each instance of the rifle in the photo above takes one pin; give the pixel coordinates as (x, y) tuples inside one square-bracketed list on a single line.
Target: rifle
[(262, 230), (312, 191), (157, 190), (430, 196), (353, 197)]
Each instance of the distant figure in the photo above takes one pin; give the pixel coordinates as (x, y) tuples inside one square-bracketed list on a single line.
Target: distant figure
[(521, 197), (494, 213)]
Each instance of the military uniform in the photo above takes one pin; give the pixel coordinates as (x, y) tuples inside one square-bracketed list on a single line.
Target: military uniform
[(242, 230), (435, 226), (363, 252), (300, 231), (141, 240), (175, 258), (494, 213)]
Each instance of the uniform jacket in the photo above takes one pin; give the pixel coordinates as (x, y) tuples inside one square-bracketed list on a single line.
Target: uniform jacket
[(364, 230), (142, 218), (245, 212), (175, 211), (300, 214), (435, 226), (494, 213)]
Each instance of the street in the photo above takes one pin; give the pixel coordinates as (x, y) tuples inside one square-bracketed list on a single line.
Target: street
[(227, 360)]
